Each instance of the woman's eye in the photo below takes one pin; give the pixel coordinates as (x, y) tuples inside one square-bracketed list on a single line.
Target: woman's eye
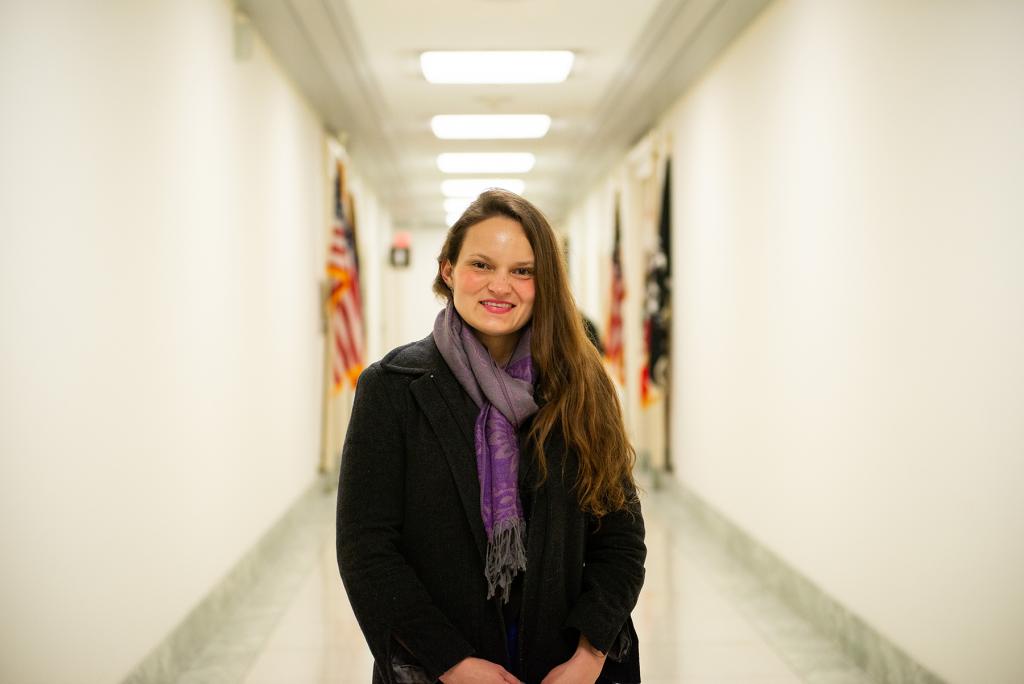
[(478, 264), (525, 272)]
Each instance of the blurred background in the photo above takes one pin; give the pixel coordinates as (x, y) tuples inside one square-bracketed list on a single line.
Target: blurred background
[(796, 225)]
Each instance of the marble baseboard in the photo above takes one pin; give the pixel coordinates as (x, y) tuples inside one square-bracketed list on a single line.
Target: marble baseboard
[(767, 588), (219, 639)]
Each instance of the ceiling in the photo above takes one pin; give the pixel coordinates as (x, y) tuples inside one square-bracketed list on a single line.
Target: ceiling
[(358, 63)]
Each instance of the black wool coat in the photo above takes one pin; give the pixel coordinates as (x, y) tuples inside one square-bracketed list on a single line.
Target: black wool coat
[(411, 542)]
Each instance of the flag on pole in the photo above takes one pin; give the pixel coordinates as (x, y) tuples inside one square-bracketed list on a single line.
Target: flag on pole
[(658, 306), (344, 306), (613, 346)]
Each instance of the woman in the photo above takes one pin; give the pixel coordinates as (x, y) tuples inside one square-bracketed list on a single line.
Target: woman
[(488, 524)]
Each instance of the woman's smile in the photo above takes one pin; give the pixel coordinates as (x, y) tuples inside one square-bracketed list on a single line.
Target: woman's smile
[(497, 307)]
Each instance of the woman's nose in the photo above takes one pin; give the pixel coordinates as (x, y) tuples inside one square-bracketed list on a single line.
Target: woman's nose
[(499, 283)]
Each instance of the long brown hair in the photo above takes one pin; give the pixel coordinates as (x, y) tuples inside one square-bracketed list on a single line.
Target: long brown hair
[(576, 393)]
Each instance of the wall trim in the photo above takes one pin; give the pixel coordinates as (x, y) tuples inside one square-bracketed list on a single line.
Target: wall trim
[(880, 659), (221, 637)]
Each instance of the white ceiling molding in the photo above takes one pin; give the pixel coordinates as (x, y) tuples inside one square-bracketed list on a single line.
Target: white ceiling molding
[(681, 40), (315, 43), (357, 65)]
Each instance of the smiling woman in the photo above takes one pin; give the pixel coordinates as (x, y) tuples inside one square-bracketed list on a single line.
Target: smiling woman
[(492, 283), (488, 524)]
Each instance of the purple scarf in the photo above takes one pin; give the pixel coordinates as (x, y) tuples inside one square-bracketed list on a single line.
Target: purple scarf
[(505, 399)]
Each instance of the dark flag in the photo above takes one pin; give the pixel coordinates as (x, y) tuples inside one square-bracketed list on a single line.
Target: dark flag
[(613, 347), (658, 307)]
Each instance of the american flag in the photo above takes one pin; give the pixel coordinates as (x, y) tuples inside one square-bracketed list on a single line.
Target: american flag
[(613, 347), (344, 306)]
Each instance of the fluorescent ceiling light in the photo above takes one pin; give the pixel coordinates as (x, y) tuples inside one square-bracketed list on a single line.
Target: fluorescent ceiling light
[(471, 187), (494, 66), (490, 126), (485, 162), (457, 205)]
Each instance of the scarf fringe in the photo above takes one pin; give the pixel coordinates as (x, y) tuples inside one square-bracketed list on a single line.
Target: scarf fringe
[(506, 556)]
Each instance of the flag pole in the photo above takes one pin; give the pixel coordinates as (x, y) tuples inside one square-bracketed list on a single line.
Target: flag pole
[(325, 404), (325, 328)]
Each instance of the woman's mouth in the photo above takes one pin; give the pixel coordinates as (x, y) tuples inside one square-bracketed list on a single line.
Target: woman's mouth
[(496, 307)]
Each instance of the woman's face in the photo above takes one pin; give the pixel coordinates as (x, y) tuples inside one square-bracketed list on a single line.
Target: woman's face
[(492, 281)]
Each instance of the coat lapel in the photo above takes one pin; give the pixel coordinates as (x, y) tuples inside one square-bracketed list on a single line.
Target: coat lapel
[(453, 417)]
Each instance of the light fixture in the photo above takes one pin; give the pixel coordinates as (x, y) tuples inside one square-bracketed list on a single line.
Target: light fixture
[(485, 162), (496, 66), (490, 126), (471, 187)]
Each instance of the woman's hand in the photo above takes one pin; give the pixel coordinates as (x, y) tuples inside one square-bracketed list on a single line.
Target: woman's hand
[(584, 666), (473, 670)]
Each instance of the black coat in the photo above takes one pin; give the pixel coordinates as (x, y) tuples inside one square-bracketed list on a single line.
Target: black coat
[(411, 542)]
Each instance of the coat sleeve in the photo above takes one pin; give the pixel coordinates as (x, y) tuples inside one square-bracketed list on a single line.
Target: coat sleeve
[(388, 599), (612, 576)]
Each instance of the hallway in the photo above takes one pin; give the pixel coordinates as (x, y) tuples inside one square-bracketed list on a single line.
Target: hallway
[(702, 617), (794, 226)]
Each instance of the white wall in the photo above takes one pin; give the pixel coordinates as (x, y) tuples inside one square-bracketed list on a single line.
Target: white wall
[(161, 218), (848, 312), (590, 230), (409, 303)]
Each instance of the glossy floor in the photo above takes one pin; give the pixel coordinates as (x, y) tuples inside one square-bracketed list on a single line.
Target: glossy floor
[(701, 619)]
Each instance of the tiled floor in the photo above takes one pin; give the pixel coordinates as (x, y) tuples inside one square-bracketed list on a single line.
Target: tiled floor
[(701, 620)]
